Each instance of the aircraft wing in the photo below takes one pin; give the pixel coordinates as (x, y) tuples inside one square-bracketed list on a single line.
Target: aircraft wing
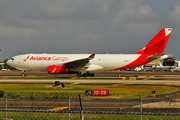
[(80, 63), (151, 58)]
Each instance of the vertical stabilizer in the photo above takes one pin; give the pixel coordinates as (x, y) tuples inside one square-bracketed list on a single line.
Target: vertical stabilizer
[(157, 44)]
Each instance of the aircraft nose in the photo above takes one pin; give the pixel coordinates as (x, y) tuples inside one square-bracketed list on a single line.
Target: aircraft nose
[(9, 62)]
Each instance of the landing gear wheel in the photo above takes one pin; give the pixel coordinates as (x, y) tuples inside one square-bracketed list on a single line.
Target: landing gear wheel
[(91, 74), (79, 75), (88, 74), (24, 75), (85, 75)]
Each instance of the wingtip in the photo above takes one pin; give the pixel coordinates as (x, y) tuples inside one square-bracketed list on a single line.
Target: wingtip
[(92, 55)]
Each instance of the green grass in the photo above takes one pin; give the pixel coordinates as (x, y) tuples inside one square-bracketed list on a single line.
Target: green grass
[(41, 91), (120, 91)]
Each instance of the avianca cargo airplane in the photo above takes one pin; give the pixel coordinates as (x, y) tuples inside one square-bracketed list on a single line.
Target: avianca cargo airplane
[(83, 64)]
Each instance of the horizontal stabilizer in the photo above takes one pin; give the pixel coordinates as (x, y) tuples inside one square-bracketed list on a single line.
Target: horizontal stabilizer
[(151, 58)]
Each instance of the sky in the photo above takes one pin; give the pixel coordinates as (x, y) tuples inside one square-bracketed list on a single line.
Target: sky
[(86, 26)]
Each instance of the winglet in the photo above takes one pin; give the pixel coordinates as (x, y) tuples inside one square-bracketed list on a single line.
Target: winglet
[(91, 56), (157, 44)]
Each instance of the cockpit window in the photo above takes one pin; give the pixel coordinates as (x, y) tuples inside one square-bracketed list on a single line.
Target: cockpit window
[(12, 58)]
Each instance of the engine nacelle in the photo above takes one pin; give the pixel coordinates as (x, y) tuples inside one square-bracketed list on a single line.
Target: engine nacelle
[(57, 69)]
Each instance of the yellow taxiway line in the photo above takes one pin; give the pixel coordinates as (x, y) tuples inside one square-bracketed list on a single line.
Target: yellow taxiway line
[(59, 108)]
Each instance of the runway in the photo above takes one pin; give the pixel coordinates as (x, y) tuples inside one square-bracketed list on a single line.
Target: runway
[(94, 82), (116, 78), (105, 77)]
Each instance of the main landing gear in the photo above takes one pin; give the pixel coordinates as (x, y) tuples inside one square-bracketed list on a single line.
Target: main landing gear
[(23, 73), (85, 74)]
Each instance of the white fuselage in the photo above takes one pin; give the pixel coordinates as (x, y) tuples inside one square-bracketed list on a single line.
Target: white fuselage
[(71, 63), (42, 61)]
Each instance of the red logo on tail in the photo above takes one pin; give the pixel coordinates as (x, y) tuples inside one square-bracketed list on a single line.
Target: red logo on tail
[(26, 59)]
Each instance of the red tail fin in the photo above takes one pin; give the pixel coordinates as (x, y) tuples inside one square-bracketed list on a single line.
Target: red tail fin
[(157, 44)]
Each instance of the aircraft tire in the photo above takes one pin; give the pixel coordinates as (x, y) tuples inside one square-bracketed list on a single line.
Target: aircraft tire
[(84, 75), (91, 74), (24, 75), (79, 75)]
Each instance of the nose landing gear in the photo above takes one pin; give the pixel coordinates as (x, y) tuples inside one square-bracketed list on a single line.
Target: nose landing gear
[(23, 73)]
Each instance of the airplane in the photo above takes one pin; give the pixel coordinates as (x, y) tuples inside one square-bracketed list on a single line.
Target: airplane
[(158, 64), (176, 66), (83, 64)]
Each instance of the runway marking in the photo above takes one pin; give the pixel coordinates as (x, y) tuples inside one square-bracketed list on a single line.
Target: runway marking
[(123, 78), (74, 78), (142, 76), (132, 78), (146, 76), (75, 83), (145, 79), (5, 77), (151, 76), (122, 84), (128, 78), (59, 108)]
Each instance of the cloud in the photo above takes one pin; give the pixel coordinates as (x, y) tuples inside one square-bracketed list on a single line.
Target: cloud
[(59, 8), (100, 26), (132, 17), (174, 14)]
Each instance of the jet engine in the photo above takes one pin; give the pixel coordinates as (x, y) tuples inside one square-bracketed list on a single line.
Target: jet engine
[(57, 69)]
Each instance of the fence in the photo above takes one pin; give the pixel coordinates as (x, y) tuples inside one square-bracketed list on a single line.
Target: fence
[(75, 107)]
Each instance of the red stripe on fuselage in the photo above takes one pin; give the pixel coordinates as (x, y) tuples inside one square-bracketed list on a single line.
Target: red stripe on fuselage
[(141, 60)]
